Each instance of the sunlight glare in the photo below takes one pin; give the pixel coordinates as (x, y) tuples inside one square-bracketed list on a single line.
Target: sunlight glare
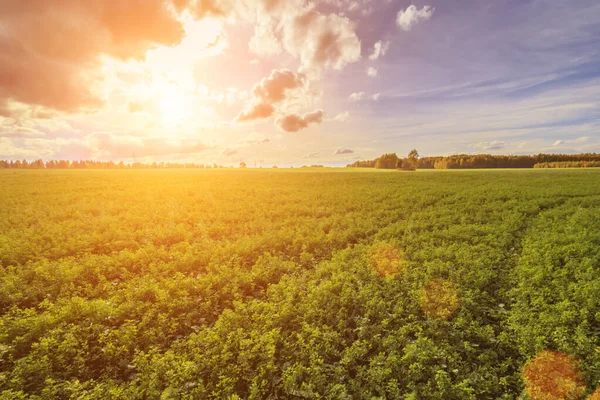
[(174, 107)]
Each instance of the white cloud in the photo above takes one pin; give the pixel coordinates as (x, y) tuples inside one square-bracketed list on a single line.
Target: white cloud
[(11, 149), (380, 49), (112, 146), (229, 152), (372, 72), (16, 131), (320, 41), (367, 11), (255, 139), (264, 42), (99, 146), (364, 6), (412, 16), (342, 117), (357, 96), (315, 117), (376, 96), (493, 145), (580, 140)]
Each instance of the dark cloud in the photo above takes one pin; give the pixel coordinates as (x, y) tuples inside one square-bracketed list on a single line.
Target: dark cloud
[(312, 155), (343, 151), (278, 87), (493, 145), (256, 111), (51, 51), (295, 123), (291, 123)]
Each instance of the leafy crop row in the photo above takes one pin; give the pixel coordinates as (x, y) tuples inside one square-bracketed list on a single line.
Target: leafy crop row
[(278, 284)]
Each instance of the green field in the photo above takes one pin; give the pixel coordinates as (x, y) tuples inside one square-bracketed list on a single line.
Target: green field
[(296, 284)]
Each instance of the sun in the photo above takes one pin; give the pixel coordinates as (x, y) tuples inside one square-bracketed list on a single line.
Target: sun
[(173, 107)]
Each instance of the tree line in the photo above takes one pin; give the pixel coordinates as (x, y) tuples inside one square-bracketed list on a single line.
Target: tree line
[(465, 161), (89, 164), (390, 161), (569, 164), (386, 161)]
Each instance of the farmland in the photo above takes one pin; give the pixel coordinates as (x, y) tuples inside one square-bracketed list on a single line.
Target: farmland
[(334, 284)]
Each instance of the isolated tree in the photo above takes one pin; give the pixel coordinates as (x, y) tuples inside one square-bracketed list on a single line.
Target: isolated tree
[(242, 165), (413, 158)]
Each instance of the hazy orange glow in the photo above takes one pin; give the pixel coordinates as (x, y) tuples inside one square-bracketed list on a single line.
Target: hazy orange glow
[(553, 376), (386, 259), (595, 395), (440, 299)]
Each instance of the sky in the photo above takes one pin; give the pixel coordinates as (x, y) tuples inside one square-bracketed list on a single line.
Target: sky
[(292, 82)]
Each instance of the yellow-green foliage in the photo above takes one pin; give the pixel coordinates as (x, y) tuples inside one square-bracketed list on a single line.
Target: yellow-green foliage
[(386, 259), (194, 284), (439, 299)]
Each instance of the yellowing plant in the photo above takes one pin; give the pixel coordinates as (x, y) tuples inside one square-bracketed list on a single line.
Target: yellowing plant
[(595, 395), (553, 376)]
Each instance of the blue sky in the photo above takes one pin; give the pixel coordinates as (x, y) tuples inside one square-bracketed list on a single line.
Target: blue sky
[(524, 73), (292, 83)]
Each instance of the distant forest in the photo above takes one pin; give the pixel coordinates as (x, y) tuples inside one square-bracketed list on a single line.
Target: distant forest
[(88, 164), (385, 161), (465, 161)]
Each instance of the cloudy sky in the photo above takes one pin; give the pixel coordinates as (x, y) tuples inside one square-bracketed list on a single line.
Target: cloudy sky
[(291, 82)]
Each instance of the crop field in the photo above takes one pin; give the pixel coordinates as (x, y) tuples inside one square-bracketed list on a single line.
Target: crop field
[(299, 284)]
